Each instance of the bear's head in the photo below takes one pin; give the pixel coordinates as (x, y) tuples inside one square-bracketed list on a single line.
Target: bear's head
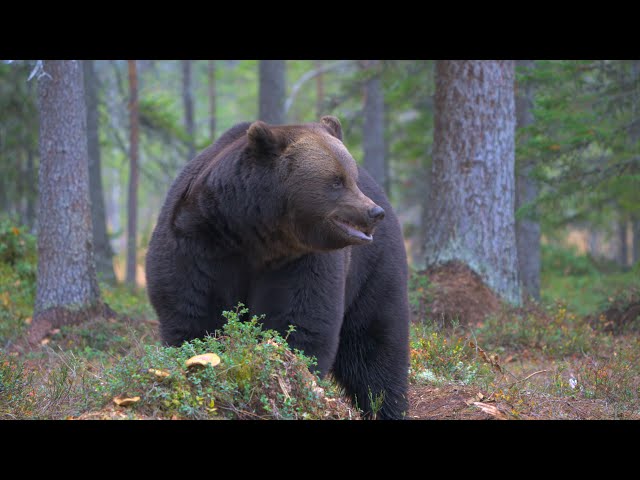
[(317, 182)]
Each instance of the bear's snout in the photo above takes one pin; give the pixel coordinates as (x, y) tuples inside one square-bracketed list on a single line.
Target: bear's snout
[(376, 214)]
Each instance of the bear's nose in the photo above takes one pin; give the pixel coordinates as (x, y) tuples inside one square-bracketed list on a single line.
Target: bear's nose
[(376, 213)]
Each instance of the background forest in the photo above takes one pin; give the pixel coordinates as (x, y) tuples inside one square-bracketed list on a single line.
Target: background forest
[(518, 327)]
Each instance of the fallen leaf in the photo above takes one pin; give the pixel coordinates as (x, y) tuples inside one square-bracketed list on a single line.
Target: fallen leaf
[(476, 398), (205, 359), (490, 359), (490, 410), (123, 401), (159, 373)]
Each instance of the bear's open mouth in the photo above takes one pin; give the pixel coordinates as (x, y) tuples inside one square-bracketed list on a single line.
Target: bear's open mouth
[(353, 230)]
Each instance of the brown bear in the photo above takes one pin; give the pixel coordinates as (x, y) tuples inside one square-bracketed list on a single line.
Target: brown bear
[(281, 218)]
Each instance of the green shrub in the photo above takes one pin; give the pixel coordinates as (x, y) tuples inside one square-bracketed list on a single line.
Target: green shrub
[(566, 261), (17, 279), (441, 356), (17, 245), (16, 392), (420, 294), (560, 333), (258, 377), (122, 299)]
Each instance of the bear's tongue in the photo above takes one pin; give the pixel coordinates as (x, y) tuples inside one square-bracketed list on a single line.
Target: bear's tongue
[(354, 232)]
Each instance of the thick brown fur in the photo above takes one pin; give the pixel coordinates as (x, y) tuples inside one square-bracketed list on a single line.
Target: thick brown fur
[(280, 218)]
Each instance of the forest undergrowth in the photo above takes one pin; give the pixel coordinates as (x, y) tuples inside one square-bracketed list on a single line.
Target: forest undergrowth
[(573, 355)]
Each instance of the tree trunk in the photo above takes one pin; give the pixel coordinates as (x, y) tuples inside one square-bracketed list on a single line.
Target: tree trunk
[(187, 100), (20, 181), (635, 226), (634, 136), (594, 244), (623, 251), (472, 194), (102, 246), (319, 90), (212, 99), (30, 213), (373, 129), (527, 229), (30, 175), (132, 202), (66, 286), (272, 91)]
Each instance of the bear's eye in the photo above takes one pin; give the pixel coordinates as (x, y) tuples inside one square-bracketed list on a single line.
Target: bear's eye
[(337, 183)]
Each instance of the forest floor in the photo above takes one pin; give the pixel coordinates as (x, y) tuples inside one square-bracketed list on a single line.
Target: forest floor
[(472, 357), (546, 362)]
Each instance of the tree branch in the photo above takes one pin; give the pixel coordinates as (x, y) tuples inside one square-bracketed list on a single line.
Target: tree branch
[(308, 76)]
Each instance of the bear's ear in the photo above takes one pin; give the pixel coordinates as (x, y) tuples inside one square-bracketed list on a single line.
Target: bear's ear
[(332, 124), (263, 142)]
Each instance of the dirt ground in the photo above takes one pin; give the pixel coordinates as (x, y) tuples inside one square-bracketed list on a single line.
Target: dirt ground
[(463, 403), (456, 292)]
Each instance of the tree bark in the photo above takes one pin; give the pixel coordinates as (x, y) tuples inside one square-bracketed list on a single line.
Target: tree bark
[(471, 201), (102, 246), (212, 98), (66, 286), (132, 202), (272, 91), (187, 100), (527, 229), (373, 128)]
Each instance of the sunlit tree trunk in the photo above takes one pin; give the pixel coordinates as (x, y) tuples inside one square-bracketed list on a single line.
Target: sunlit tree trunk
[(272, 91), (187, 100), (212, 98), (132, 201), (102, 246), (527, 229), (66, 286), (471, 202), (373, 129)]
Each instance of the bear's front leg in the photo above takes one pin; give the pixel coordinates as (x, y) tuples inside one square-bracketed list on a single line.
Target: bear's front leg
[(307, 293), (372, 363)]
